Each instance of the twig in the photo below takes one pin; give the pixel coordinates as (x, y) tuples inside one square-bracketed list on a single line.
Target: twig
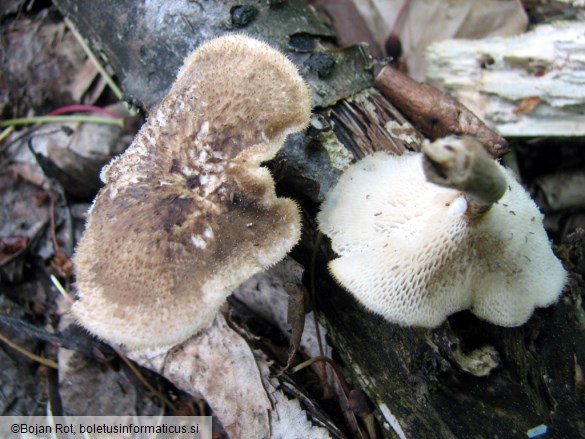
[(62, 290), (5, 133), (94, 59), (435, 113), (55, 402), (143, 380), (58, 119), (314, 304), (117, 91), (329, 361), (53, 198), (23, 351)]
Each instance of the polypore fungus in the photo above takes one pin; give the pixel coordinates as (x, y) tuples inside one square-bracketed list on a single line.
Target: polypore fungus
[(416, 252), (187, 213)]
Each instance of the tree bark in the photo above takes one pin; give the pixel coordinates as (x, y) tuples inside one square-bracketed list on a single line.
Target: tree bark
[(422, 383)]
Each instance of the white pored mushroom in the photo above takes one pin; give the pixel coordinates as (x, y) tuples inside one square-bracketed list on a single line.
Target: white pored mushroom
[(416, 252), (187, 213)]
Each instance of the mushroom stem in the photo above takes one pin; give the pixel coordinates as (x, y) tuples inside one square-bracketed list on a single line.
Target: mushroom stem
[(462, 163)]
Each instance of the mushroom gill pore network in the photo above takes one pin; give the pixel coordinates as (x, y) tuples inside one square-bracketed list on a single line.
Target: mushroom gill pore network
[(409, 252)]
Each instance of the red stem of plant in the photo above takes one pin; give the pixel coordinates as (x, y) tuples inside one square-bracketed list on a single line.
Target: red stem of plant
[(81, 107), (399, 17)]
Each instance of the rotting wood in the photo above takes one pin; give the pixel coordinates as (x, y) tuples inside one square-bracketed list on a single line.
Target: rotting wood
[(367, 122), (528, 85)]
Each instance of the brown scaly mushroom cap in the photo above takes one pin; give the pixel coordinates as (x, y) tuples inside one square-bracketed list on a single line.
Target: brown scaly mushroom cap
[(415, 252), (186, 213)]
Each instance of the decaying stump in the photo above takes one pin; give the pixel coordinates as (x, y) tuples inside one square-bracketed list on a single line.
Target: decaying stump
[(528, 85), (465, 379)]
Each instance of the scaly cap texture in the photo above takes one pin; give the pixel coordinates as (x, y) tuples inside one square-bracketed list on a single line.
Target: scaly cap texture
[(409, 252), (186, 213)]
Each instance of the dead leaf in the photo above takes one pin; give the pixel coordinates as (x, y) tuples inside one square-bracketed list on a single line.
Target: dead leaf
[(62, 264), (43, 60), (526, 105), (20, 216), (563, 190), (89, 388), (74, 153), (11, 247), (218, 365), (82, 82), (295, 317), (427, 21), (348, 24)]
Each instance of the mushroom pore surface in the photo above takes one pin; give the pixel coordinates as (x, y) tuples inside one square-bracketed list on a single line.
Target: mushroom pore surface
[(409, 252), (187, 213)]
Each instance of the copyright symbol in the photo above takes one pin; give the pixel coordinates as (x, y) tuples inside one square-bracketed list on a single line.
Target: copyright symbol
[(15, 428)]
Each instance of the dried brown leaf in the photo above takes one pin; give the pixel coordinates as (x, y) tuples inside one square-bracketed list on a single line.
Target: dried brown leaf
[(295, 317), (420, 23), (218, 365), (527, 105)]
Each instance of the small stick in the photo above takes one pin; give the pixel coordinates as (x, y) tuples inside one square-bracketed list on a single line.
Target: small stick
[(23, 351), (5, 133), (61, 289), (435, 113), (58, 119), (92, 56), (111, 83), (143, 380), (329, 361)]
